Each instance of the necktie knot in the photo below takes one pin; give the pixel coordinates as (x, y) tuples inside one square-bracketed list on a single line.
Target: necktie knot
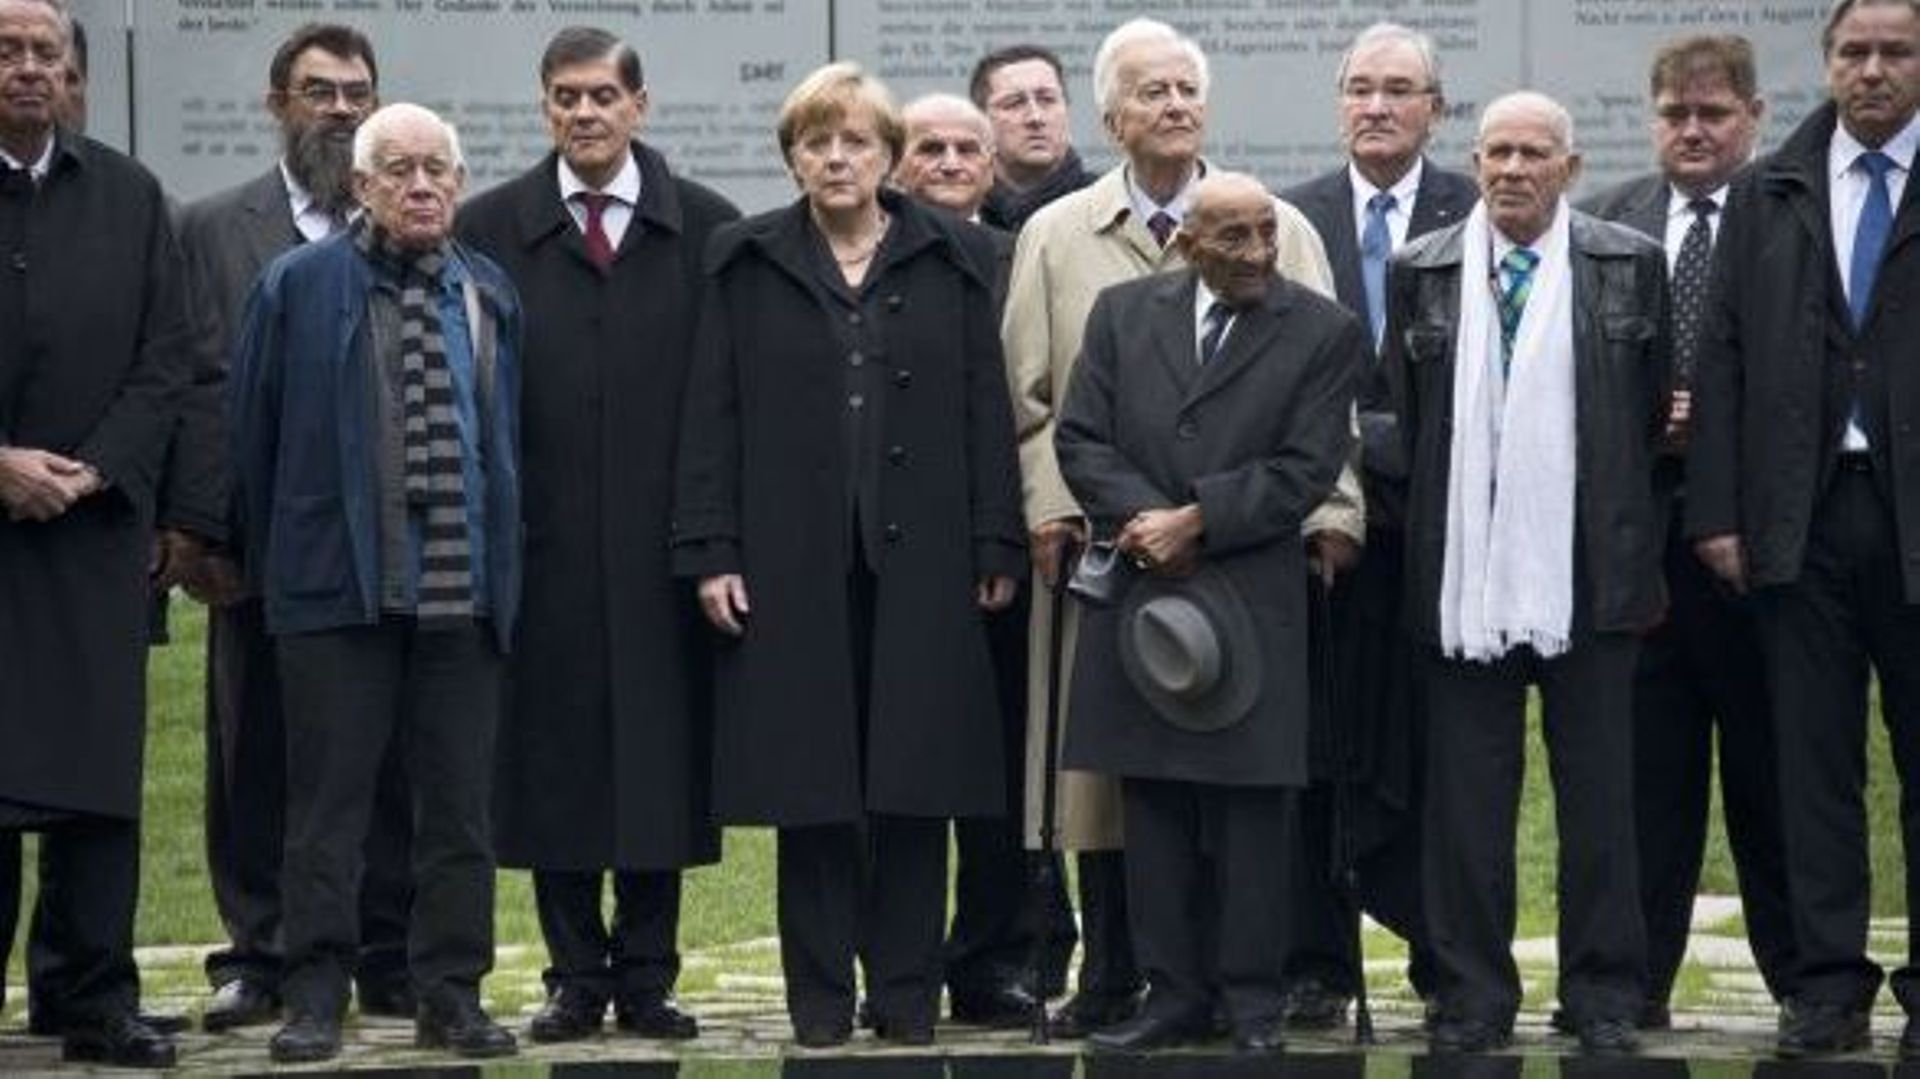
[(1875, 164), (1161, 224), (1382, 203), (1703, 208), (1519, 263)]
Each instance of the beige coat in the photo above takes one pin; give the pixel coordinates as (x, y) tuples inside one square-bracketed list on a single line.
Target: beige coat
[(1067, 253)]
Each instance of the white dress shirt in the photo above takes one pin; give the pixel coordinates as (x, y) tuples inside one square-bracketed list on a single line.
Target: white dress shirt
[(625, 189), (1680, 219), (36, 171), (1404, 191), (1846, 196)]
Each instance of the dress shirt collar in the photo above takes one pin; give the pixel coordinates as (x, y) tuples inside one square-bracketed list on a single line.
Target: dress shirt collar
[(1680, 204), (1144, 207), (1403, 190), (39, 168), (624, 187), (1843, 149)]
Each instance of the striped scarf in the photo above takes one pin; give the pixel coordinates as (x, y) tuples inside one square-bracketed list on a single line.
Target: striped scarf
[(433, 473)]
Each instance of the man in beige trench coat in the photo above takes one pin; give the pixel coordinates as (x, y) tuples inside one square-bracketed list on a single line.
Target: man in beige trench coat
[(1151, 86)]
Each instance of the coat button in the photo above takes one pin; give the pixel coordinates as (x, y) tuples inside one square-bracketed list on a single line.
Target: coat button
[(896, 455), (1187, 429), (854, 359), (903, 379), (856, 402), (892, 533), (895, 302), (853, 318), (20, 261)]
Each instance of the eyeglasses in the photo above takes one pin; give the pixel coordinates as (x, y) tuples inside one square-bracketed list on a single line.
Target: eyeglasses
[(1394, 94), (320, 93)]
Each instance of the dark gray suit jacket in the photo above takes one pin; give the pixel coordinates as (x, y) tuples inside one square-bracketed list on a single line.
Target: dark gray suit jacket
[(226, 239), (1639, 203), (1443, 198)]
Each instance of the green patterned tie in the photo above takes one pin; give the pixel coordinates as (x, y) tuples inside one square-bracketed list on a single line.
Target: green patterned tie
[(1516, 281)]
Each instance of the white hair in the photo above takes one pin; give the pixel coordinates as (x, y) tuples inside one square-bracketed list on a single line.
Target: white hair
[(377, 128), (947, 105), (1392, 33), (1106, 76), (1535, 103), (61, 14)]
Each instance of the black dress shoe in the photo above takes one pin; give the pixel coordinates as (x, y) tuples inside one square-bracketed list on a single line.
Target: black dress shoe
[(1088, 1012), (1260, 1039), (570, 1014), (1145, 1033), (1458, 1035), (389, 999), (118, 1039), (1910, 1039), (459, 1026), (656, 1017), (1314, 1005), (305, 1039), (1004, 1007), (1815, 1028), (1608, 1037), (903, 1031), (821, 1034), (241, 1002)]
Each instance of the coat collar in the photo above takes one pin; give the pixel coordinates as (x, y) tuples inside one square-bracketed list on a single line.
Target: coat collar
[(1588, 235), (785, 238), (1172, 295), (541, 214)]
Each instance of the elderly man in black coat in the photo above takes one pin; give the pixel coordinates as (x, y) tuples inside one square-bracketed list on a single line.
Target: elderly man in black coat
[(1207, 417), (1369, 735), (1802, 489), (1530, 414), (93, 353), (603, 756)]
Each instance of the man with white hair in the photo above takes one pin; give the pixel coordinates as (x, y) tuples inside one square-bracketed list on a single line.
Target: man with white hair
[(374, 405), (949, 157), (1530, 411), (1151, 84)]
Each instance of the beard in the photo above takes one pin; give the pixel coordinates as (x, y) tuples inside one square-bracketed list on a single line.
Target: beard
[(320, 157)]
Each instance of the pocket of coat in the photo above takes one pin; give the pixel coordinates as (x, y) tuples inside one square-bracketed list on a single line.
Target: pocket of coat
[(309, 555)]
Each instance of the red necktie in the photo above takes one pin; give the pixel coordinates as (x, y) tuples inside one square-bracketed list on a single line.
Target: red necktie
[(599, 247)]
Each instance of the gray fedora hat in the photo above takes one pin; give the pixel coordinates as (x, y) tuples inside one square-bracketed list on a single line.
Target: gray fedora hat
[(1189, 646)]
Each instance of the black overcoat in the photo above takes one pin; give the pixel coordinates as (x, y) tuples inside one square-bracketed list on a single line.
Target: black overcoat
[(91, 363), (1256, 438), (761, 492), (1778, 356), (1622, 355), (603, 752)]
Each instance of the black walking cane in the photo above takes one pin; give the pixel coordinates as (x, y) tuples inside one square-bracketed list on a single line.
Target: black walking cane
[(1346, 874), (1046, 864)]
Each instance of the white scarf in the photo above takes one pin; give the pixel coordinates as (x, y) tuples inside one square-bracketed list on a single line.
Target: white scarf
[(1508, 579)]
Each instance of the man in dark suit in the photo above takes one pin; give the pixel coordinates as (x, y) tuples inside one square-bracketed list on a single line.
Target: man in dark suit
[(1530, 412), (1801, 490), (322, 82), (1702, 669), (604, 757), (1388, 192), (1207, 417), (93, 352), (949, 162)]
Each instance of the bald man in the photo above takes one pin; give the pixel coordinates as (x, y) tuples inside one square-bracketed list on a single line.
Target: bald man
[(1208, 416)]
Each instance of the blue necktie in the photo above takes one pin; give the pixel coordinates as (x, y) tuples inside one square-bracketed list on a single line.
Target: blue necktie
[(1516, 272), (1870, 235), (1376, 243)]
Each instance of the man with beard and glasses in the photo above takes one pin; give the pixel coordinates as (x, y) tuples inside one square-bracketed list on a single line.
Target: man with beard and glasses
[(322, 83)]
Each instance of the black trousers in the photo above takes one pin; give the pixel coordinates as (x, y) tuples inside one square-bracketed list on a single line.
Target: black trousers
[(1206, 887), (636, 958), (1821, 633), (873, 890), (990, 939), (1701, 676), (349, 693), (246, 814), (1109, 966), (80, 940), (1323, 919), (1476, 754)]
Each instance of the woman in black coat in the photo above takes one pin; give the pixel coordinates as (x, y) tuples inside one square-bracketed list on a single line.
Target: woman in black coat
[(847, 497)]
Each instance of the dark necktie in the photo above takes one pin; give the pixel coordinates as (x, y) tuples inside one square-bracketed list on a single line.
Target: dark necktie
[(1516, 277), (1376, 244), (1161, 224), (599, 246), (1690, 286), (1870, 234), (1213, 330)]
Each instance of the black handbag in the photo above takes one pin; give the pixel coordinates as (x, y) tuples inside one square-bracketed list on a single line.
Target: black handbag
[(1101, 576)]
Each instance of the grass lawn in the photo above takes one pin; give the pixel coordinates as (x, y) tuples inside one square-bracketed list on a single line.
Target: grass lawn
[(734, 900)]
